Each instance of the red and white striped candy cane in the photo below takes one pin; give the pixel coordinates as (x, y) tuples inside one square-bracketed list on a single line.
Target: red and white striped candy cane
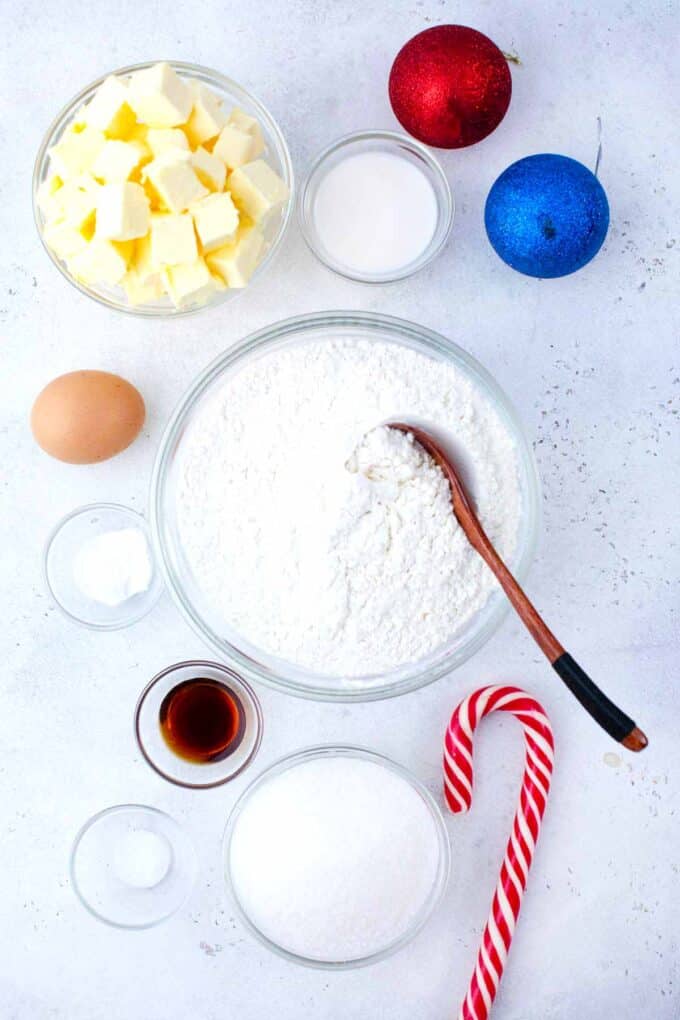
[(512, 881)]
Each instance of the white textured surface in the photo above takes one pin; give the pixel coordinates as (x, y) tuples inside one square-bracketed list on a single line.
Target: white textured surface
[(592, 363)]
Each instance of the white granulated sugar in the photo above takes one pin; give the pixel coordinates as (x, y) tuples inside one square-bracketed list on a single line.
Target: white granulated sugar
[(334, 859), (324, 540), (375, 212)]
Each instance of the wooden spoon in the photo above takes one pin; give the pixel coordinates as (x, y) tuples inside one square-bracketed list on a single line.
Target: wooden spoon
[(615, 722)]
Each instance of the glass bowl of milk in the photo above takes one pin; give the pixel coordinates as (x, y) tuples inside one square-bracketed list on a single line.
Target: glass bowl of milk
[(376, 207)]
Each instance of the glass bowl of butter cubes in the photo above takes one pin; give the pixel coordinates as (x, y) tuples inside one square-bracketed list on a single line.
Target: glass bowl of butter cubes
[(162, 188)]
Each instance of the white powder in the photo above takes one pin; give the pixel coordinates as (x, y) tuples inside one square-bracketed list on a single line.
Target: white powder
[(334, 858), (375, 212), (305, 556), (112, 567), (141, 858)]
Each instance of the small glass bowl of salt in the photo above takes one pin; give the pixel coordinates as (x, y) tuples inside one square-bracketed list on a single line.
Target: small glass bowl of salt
[(132, 866), (376, 207), (99, 567)]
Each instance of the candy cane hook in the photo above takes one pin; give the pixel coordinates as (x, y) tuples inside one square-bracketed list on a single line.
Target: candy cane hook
[(538, 765)]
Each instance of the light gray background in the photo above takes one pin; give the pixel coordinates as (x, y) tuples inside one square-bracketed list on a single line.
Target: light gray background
[(592, 364)]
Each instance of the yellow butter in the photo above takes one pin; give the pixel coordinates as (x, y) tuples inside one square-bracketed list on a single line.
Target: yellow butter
[(216, 221), (207, 115), (116, 161), (209, 168), (76, 151), (64, 239), (173, 240), (189, 284), (99, 262), (142, 292), (122, 212), (161, 140), (72, 209), (257, 189), (159, 97), (109, 110), (141, 258), (235, 263), (139, 194), (47, 191), (234, 147), (174, 180), (244, 122)]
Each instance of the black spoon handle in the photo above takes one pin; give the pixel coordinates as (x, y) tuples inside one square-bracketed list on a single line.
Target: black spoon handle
[(615, 722)]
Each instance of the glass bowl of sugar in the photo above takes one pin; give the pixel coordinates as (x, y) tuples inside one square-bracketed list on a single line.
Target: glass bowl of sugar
[(336, 857), (376, 207)]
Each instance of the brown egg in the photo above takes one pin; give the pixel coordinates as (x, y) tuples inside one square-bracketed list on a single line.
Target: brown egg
[(85, 417)]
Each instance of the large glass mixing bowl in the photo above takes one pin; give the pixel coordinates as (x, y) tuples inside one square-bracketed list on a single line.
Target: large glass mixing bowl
[(232, 648)]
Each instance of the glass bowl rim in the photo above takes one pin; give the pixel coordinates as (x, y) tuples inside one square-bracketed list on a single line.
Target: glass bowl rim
[(394, 139), (158, 574), (419, 675), (224, 82), (221, 668), (311, 753), (87, 825)]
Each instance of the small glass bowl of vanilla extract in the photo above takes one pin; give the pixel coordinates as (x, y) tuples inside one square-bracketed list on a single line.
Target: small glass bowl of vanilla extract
[(198, 724)]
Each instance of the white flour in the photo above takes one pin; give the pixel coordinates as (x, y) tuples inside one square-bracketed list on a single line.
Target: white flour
[(326, 541)]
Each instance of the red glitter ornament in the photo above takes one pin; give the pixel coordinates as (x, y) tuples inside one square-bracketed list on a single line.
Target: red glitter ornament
[(450, 86)]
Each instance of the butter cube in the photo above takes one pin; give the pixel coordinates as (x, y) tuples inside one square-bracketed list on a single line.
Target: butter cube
[(99, 262), (235, 263), (122, 212), (64, 239), (70, 197), (173, 241), (249, 126), (138, 136), (234, 146), (216, 221), (116, 161), (109, 110), (80, 211), (189, 284), (173, 178), (159, 97), (76, 151), (155, 201), (159, 140), (257, 190), (209, 168), (141, 259), (47, 191), (207, 116), (142, 292)]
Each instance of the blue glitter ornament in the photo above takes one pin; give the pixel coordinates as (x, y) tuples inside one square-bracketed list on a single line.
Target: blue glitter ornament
[(547, 215)]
